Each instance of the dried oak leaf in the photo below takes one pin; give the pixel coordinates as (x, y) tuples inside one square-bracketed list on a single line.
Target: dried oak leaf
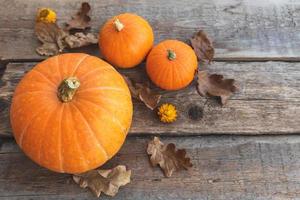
[(80, 20), (80, 40), (142, 92), (52, 38), (106, 181), (167, 157), (202, 46), (215, 85)]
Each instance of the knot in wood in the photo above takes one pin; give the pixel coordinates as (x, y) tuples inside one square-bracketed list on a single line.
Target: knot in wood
[(195, 112)]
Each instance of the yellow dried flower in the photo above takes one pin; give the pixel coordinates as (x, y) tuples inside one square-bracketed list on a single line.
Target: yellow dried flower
[(167, 113), (46, 15)]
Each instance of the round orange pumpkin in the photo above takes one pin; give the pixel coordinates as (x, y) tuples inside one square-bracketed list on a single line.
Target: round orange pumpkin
[(125, 40), (71, 113), (171, 65)]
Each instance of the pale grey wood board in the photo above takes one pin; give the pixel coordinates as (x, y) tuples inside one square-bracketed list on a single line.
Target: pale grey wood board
[(268, 101), (240, 29), (225, 167)]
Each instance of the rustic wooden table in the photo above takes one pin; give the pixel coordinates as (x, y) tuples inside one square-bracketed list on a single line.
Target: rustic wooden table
[(248, 149)]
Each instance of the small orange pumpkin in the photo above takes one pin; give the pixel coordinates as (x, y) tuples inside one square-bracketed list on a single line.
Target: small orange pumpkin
[(71, 113), (171, 65), (125, 40)]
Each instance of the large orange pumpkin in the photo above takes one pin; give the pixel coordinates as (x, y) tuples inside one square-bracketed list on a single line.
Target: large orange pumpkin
[(71, 113), (171, 64), (125, 40)]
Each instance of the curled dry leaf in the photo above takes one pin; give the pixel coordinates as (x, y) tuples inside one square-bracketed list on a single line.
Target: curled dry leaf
[(80, 20), (52, 38), (142, 92), (106, 181), (167, 157), (80, 40), (215, 85), (55, 40), (202, 46)]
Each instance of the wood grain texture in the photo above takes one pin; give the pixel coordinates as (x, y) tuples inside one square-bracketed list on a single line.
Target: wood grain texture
[(225, 168), (268, 101), (241, 29)]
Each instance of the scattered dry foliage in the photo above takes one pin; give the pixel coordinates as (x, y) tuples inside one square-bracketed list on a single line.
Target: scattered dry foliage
[(215, 85), (52, 37), (80, 40), (167, 157), (203, 46), (81, 20), (106, 181), (142, 92), (55, 40)]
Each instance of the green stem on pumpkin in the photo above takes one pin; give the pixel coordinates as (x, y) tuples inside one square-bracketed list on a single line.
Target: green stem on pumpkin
[(171, 54), (118, 25), (67, 89)]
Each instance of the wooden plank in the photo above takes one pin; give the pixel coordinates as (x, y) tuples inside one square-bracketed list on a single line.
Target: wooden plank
[(268, 102), (225, 167), (241, 29)]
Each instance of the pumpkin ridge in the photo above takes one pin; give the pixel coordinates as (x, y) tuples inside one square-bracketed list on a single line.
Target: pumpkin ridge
[(110, 101), (176, 75), (60, 154), (122, 42), (38, 91), (164, 47), (92, 132), (79, 147), (44, 76), (162, 73), (184, 69), (159, 71), (103, 88), (172, 74), (58, 68), (105, 70), (21, 136), (78, 64), (108, 112), (42, 138), (182, 65), (83, 77)]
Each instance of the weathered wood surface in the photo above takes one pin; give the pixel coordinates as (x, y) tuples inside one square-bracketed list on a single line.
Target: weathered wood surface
[(241, 29), (225, 167), (268, 101)]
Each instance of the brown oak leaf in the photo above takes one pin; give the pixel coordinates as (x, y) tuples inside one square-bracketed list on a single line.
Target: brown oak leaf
[(203, 46), (80, 20), (167, 157), (215, 85), (55, 40), (106, 181), (142, 92), (81, 39), (52, 38)]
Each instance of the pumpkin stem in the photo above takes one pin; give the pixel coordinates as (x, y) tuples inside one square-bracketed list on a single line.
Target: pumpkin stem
[(171, 54), (118, 25), (67, 89)]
